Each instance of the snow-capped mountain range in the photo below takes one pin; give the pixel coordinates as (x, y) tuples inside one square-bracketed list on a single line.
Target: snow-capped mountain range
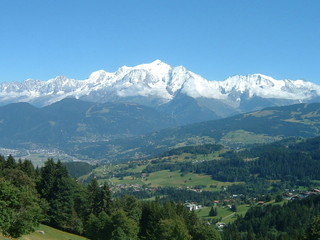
[(159, 85)]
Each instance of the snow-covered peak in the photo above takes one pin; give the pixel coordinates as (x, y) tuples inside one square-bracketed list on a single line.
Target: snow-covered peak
[(100, 75), (259, 75), (156, 68), (155, 64), (122, 70), (245, 83), (158, 62), (156, 80), (267, 87)]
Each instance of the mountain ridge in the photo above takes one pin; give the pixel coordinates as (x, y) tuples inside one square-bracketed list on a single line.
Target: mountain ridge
[(156, 84)]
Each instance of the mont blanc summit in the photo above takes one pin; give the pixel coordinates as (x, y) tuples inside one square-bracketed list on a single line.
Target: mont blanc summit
[(164, 87)]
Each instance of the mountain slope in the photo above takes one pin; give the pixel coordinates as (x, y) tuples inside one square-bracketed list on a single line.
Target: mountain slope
[(21, 121), (162, 86), (114, 131), (267, 125), (71, 120)]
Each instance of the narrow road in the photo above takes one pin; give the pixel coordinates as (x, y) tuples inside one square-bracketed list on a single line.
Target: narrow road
[(228, 216)]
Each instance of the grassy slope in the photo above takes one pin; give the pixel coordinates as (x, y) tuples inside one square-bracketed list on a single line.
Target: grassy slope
[(49, 234), (226, 214)]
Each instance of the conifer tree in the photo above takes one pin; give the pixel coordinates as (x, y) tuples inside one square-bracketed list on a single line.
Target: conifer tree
[(105, 199), (55, 188), (11, 162), (94, 191), (213, 212), (313, 231)]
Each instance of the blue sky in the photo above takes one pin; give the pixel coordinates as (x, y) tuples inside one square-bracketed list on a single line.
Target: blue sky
[(41, 39)]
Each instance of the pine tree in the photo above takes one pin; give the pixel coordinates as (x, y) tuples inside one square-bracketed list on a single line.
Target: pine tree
[(105, 199), (213, 212), (11, 162), (93, 189), (234, 208), (150, 217), (28, 168), (56, 188), (313, 231)]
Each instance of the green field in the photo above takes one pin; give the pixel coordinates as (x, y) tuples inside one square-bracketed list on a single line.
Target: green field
[(224, 213), (188, 157), (137, 169), (245, 137), (166, 178)]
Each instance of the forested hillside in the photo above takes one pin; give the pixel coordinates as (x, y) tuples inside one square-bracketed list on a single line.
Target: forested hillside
[(278, 161), (295, 220)]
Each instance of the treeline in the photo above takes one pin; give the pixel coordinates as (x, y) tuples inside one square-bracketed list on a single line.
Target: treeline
[(184, 195), (227, 170), (295, 220), (199, 149), (166, 194), (48, 195), (258, 189), (78, 169)]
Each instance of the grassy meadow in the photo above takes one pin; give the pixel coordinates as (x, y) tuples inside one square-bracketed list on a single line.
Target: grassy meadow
[(166, 178)]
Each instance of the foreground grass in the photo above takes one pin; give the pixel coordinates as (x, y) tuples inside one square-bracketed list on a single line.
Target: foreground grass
[(49, 234)]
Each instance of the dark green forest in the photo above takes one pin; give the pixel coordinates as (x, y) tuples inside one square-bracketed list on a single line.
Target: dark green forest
[(294, 220)]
